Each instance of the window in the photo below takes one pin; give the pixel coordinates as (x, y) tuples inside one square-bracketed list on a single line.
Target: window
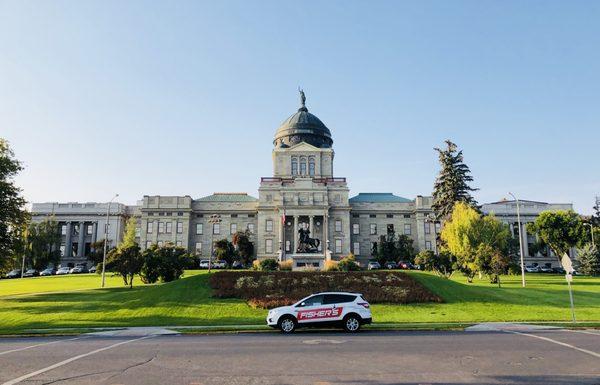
[(389, 215), (250, 228), (338, 225), (180, 214), (372, 216), (179, 227), (199, 228), (355, 216), (63, 229), (62, 250), (294, 165), (373, 248), (407, 229), (76, 229), (178, 243), (234, 215), (233, 228), (438, 226), (88, 230), (160, 243), (268, 246), (356, 248), (199, 215), (149, 227), (311, 166), (148, 244), (390, 228), (355, 228), (269, 198), (138, 231), (74, 248), (373, 229), (198, 247), (302, 165), (428, 245), (216, 228), (169, 227), (316, 300), (161, 227), (406, 215), (338, 298), (288, 246), (269, 225), (338, 246), (427, 228)]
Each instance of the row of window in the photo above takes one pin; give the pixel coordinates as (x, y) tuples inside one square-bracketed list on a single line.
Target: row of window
[(299, 165), (161, 243), (390, 228), (89, 229), (216, 228), (164, 227), (386, 215), (165, 214)]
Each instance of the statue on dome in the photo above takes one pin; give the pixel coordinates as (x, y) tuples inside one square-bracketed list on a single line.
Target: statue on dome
[(302, 97)]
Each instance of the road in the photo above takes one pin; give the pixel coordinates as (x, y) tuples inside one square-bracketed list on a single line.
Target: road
[(308, 357)]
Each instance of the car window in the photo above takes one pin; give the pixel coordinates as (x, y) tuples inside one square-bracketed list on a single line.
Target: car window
[(314, 300), (338, 298)]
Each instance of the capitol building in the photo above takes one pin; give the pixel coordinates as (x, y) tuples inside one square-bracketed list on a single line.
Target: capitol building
[(303, 212)]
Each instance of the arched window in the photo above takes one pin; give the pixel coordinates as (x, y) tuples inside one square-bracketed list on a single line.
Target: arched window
[(311, 166), (294, 165), (303, 165)]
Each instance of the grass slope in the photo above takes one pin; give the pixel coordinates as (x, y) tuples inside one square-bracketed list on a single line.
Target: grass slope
[(188, 302)]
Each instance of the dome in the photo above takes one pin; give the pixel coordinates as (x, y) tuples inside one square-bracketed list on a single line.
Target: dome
[(303, 127)]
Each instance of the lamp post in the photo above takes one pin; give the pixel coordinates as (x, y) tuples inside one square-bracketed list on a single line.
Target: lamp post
[(520, 239), (106, 239), (592, 232), (215, 218)]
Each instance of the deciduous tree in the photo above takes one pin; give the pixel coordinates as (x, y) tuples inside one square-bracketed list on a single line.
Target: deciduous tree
[(245, 247), (560, 230)]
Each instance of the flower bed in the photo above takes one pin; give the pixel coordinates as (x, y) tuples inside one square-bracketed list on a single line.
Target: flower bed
[(280, 288)]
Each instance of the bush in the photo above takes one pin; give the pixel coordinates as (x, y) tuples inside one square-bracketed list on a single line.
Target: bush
[(269, 264), (165, 263), (286, 265), (271, 289), (348, 263), (256, 264), (331, 265)]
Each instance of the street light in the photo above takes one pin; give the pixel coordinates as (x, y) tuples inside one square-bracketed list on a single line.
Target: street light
[(592, 231), (520, 239), (106, 238), (215, 218)]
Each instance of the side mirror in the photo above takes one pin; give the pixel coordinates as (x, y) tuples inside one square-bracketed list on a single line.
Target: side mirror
[(302, 304)]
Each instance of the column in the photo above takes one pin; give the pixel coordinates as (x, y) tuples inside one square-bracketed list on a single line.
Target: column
[(326, 232), (94, 232), (310, 226), (68, 246), (80, 246), (295, 234), (281, 236), (525, 244)]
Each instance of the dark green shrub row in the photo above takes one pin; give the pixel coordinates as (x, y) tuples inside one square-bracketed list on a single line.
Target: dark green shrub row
[(269, 289)]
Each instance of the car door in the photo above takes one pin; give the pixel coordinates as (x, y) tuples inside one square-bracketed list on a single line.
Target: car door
[(339, 303), (313, 310)]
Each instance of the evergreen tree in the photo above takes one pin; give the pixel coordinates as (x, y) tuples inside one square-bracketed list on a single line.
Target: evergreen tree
[(589, 260), (452, 183), (13, 215)]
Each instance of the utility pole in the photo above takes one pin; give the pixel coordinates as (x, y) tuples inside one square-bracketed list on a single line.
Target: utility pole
[(106, 239), (520, 239)]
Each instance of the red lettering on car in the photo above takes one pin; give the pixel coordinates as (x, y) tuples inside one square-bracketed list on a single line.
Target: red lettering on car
[(319, 313)]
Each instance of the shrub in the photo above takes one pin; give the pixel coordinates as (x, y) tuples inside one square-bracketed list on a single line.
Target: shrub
[(256, 264), (166, 263), (286, 265), (271, 289), (348, 263), (269, 264), (331, 265)]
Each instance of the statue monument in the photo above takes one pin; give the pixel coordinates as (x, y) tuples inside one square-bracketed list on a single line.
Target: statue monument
[(307, 244)]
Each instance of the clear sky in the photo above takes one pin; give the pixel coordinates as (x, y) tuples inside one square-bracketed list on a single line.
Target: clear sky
[(149, 97)]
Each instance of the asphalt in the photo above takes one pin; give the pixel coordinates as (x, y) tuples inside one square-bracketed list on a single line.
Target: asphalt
[(492, 356)]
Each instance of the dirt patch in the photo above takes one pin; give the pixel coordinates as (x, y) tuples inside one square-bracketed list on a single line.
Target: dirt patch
[(272, 289)]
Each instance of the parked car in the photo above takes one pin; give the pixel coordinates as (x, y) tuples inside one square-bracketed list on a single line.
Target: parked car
[(558, 270), (63, 270), (78, 270), (219, 264), (13, 274), (237, 265), (390, 265), (532, 269), (92, 269), (48, 271), (204, 264), (546, 269), (348, 310), (373, 265), (405, 265), (31, 273)]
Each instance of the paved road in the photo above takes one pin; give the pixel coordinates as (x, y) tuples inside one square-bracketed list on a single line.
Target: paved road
[(308, 357)]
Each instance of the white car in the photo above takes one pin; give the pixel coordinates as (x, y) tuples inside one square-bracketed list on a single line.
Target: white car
[(532, 269), (348, 310), (219, 264), (204, 264), (63, 270)]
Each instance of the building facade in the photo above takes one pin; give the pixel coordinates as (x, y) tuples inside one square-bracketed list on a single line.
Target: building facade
[(303, 211)]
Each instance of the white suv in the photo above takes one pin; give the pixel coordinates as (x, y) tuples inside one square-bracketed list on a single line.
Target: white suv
[(349, 310)]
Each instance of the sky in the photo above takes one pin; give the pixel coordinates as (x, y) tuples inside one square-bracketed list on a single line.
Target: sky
[(183, 98)]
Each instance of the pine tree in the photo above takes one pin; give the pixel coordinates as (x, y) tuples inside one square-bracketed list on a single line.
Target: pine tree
[(452, 183)]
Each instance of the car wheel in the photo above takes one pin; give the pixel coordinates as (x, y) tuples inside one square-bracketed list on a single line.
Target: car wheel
[(351, 323), (287, 325)]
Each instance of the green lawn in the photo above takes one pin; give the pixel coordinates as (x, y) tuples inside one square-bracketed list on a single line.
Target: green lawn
[(75, 301)]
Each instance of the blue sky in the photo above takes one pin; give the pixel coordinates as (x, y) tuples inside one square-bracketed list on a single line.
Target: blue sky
[(98, 97)]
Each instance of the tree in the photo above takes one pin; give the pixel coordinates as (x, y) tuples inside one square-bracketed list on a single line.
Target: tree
[(473, 239), (452, 183), (166, 263), (225, 251), (441, 264), (589, 260), (561, 230), (245, 248), (42, 244), (96, 254), (392, 247), (150, 271), (13, 215), (595, 220), (129, 234), (127, 261)]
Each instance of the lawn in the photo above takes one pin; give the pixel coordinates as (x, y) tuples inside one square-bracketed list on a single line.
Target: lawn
[(75, 301)]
